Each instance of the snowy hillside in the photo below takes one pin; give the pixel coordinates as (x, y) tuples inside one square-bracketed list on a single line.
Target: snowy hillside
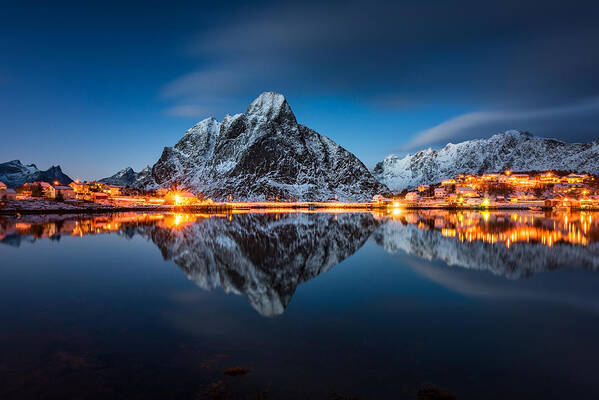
[(513, 150)]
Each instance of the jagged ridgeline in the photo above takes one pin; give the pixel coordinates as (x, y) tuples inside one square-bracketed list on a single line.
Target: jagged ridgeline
[(263, 154), (515, 150), (128, 177), (15, 174)]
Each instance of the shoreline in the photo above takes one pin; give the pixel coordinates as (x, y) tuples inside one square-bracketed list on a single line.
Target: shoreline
[(231, 207)]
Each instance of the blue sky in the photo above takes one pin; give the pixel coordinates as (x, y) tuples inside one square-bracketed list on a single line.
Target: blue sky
[(98, 87)]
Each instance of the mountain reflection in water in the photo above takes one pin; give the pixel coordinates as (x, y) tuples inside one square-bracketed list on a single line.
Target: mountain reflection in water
[(263, 256), (510, 244), (266, 255)]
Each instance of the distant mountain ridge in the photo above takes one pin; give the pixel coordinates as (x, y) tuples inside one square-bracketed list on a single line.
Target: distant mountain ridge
[(515, 150), (15, 174), (128, 177), (263, 154)]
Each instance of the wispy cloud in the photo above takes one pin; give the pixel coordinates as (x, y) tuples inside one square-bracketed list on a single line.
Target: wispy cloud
[(543, 121), (205, 81), (190, 110)]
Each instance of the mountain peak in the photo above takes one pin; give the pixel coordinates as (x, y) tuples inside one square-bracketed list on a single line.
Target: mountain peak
[(271, 106), (124, 177), (515, 133), (263, 154)]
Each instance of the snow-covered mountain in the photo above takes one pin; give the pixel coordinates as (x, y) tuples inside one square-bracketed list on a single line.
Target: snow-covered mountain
[(263, 154), (262, 256), (15, 174), (128, 177), (515, 150)]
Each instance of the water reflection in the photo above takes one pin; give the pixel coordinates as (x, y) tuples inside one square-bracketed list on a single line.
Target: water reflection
[(510, 244), (265, 256), (507, 227), (262, 256)]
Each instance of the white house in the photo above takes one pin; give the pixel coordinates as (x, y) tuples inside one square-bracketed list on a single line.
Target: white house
[(7, 194), (440, 192), (47, 189), (412, 196)]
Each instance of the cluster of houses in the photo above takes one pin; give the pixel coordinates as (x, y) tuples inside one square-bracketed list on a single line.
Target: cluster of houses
[(496, 190), (97, 192), (75, 191), (543, 189), (54, 190)]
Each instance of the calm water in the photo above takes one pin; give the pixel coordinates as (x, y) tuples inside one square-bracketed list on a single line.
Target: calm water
[(313, 305)]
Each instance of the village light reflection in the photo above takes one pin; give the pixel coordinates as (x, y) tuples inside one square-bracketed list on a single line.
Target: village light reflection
[(502, 228), (467, 226)]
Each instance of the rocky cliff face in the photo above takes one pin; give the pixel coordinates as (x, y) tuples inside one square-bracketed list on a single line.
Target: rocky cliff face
[(263, 154), (15, 174), (263, 256), (128, 177), (513, 150)]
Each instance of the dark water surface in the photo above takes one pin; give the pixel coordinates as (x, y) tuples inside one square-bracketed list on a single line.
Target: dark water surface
[(311, 305)]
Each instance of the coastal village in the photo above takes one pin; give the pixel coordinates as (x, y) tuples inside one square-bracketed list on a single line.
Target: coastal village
[(502, 190), (508, 190), (96, 193)]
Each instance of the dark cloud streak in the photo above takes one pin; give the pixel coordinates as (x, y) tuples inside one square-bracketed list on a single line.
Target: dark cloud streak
[(493, 56)]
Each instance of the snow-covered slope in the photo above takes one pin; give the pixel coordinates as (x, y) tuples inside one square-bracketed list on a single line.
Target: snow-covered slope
[(15, 174), (263, 154), (144, 179), (262, 256), (515, 150), (128, 177)]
